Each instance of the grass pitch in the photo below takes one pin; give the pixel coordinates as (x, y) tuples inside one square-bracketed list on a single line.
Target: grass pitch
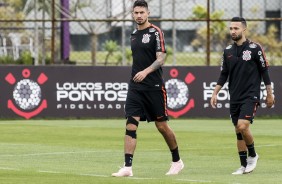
[(88, 151)]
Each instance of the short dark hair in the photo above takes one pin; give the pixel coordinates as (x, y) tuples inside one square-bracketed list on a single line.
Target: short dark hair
[(239, 19), (141, 3)]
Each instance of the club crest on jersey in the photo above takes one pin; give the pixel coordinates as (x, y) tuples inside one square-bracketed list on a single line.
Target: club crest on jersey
[(146, 38), (247, 55)]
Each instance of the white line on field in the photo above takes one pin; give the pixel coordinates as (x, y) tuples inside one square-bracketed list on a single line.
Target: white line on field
[(105, 176), (227, 147), (52, 172), (186, 180), (9, 168), (56, 172), (133, 178), (140, 178), (96, 175), (53, 153), (268, 145), (196, 181), (108, 151)]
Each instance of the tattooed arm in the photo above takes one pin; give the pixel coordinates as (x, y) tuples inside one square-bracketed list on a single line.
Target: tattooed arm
[(140, 76)]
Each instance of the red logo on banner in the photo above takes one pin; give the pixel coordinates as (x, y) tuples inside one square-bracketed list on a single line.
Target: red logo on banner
[(178, 94), (26, 94)]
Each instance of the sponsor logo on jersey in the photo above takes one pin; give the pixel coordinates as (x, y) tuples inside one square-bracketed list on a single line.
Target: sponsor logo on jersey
[(133, 38), (146, 38), (253, 45), (158, 40), (152, 30), (247, 55), (262, 61), (229, 47), (222, 60)]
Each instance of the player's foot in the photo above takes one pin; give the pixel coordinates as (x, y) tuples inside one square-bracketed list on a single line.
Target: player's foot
[(123, 172), (241, 170), (251, 163), (175, 167)]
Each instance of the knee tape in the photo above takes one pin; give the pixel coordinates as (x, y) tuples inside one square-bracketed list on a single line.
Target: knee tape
[(131, 133), (239, 136), (131, 120)]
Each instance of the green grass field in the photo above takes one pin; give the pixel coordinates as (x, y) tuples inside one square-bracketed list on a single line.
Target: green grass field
[(88, 151)]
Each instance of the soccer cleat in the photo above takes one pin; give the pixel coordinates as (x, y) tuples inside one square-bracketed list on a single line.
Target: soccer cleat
[(251, 163), (123, 172), (175, 167), (239, 171)]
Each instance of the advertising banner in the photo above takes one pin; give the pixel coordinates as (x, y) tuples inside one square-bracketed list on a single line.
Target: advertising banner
[(83, 91)]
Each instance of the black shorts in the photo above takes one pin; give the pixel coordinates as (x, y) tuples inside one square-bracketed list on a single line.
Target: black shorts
[(246, 110), (148, 105)]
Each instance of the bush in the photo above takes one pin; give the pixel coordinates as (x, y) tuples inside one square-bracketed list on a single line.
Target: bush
[(7, 60), (25, 59)]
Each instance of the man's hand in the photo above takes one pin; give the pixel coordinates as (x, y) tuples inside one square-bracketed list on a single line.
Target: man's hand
[(214, 95), (213, 101), (269, 100), (140, 76)]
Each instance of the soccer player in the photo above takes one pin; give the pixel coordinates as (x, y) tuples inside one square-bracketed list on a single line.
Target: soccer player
[(146, 98), (245, 64)]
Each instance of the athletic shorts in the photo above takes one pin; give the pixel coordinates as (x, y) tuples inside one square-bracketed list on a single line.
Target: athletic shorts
[(148, 105), (245, 110)]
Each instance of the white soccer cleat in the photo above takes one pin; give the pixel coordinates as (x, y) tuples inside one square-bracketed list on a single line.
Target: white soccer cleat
[(175, 167), (239, 171), (251, 163), (123, 172)]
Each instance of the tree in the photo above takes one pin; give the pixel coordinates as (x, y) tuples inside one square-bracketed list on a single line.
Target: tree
[(43, 5), (110, 46), (218, 33), (96, 10), (32, 8), (269, 41), (9, 11), (90, 10)]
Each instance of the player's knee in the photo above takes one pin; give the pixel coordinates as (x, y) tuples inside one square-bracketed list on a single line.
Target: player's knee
[(241, 128), (239, 136), (131, 133), (131, 120)]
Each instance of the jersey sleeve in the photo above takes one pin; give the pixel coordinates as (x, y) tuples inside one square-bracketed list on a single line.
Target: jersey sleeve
[(263, 65), (261, 58), (224, 72), (160, 41)]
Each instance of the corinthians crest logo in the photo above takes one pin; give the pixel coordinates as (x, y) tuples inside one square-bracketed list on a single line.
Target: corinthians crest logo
[(27, 96), (247, 55), (146, 38), (178, 94)]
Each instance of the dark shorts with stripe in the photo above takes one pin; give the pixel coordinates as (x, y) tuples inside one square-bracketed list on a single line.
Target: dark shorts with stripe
[(148, 105), (246, 110)]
